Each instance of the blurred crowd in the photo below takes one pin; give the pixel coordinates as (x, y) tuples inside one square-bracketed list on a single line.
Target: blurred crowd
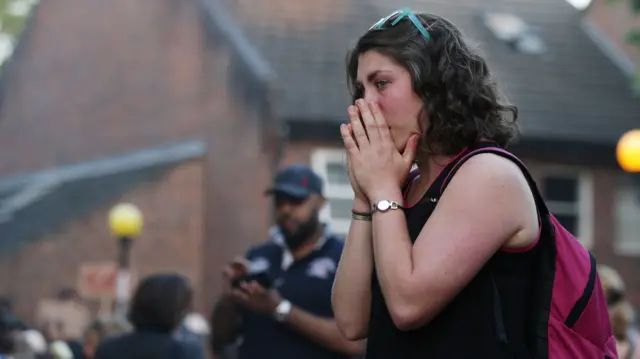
[(159, 324), (621, 313)]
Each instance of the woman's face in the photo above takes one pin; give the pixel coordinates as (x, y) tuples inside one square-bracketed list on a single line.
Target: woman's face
[(384, 81)]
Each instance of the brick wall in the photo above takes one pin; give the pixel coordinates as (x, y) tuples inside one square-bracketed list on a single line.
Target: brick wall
[(614, 20), (238, 170), (603, 226), (172, 240), (97, 78)]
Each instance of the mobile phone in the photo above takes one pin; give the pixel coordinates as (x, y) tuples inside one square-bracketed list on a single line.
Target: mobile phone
[(261, 278)]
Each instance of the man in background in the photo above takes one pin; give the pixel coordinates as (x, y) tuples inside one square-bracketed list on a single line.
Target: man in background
[(277, 300)]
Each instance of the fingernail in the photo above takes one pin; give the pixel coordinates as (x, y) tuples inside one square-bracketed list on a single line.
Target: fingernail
[(352, 110)]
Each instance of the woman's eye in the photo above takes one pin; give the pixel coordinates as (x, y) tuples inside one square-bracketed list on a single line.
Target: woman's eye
[(381, 84)]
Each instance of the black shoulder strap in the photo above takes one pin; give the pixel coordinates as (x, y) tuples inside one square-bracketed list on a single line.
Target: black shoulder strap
[(542, 207)]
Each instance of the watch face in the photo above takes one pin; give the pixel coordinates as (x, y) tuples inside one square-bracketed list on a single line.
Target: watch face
[(384, 205)]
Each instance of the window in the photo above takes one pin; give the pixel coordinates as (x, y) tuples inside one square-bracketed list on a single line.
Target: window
[(331, 165), (627, 216), (515, 32), (569, 196)]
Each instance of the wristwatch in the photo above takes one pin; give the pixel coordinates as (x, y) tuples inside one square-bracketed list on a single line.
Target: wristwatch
[(385, 205), (282, 310)]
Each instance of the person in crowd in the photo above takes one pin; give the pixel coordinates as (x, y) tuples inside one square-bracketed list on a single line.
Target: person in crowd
[(158, 307), (195, 328), (277, 298), (31, 344), (7, 338), (99, 330), (621, 313), (64, 317)]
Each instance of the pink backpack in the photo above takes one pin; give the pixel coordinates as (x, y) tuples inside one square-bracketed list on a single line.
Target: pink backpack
[(570, 306)]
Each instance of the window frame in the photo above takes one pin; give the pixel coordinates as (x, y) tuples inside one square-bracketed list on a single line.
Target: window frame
[(320, 159), (584, 207), (622, 247)]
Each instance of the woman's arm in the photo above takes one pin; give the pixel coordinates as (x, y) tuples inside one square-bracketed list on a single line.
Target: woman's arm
[(485, 205), (351, 295)]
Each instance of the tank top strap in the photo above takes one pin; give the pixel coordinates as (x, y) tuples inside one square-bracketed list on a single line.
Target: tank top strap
[(434, 190)]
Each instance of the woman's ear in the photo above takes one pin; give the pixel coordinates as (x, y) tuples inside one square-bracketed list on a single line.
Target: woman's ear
[(321, 201)]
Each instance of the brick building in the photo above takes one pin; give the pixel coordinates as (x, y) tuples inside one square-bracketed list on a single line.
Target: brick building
[(172, 105), (161, 104), (609, 23)]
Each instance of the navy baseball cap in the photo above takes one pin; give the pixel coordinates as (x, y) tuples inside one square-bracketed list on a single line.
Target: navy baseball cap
[(297, 181)]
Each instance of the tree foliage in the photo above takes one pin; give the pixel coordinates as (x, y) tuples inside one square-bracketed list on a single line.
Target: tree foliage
[(13, 15), (633, 37)]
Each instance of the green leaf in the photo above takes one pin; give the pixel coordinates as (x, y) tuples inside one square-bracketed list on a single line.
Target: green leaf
[(633, 37), (635, 5)]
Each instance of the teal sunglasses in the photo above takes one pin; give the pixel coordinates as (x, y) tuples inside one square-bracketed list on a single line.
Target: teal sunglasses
[(399, 15)]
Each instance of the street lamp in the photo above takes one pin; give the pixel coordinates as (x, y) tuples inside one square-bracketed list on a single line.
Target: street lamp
[(125, 221), (628, 151), (628, 155)]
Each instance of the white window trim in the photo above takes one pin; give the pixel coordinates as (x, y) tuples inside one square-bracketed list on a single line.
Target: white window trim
[(320, 158), (626, 247), (585, 211), (585, 204)]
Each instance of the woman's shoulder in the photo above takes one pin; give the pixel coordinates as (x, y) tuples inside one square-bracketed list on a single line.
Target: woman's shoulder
[(491, 172)]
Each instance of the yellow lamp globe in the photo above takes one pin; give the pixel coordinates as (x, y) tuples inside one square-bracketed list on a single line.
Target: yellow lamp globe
[(125, 220), (628, 151)]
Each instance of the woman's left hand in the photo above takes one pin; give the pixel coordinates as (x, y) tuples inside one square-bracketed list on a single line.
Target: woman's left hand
[(377, 165)]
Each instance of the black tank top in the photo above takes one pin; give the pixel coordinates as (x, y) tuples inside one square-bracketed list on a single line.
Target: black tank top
[(495, 304)]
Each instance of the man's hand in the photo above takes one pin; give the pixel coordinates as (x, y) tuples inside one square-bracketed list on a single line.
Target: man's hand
[(239, 267), (224, 319), (253, 296)]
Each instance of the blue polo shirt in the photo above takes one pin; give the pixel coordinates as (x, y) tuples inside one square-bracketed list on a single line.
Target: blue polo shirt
[(306, 283)]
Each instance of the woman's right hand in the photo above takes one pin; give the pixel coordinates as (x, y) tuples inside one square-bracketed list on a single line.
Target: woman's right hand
[(360, 199)]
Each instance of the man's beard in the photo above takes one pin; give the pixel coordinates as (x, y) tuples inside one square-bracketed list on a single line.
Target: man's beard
[(304, 232)]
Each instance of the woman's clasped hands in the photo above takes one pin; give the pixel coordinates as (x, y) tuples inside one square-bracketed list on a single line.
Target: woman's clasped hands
[(376, 167)]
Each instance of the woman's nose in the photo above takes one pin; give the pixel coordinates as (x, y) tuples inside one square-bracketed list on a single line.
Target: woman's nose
[(370, 96)]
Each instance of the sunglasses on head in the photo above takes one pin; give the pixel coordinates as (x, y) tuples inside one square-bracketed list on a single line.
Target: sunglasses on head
[(399, 15)]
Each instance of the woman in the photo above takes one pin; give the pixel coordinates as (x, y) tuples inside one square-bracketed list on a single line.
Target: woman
[(424, 289), (98, 331), (159, 305), (621, 313), (7, 337)]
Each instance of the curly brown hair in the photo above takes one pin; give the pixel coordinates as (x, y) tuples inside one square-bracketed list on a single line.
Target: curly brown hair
[(460, 97)]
